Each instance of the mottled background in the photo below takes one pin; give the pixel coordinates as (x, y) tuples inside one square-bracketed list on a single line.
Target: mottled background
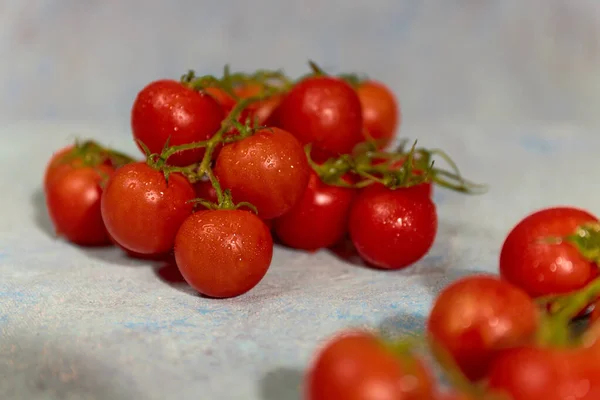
[(484, 60), (510, 88)]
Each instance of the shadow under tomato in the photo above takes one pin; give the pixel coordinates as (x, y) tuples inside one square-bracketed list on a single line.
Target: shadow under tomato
[(40, 215), (346, 252), (282, 383), (169, 273)]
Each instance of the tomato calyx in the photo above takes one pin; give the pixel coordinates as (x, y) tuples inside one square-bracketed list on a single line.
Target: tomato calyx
[(396, 169), (586, 239), (270, 82), (92, 154), (561, 310)]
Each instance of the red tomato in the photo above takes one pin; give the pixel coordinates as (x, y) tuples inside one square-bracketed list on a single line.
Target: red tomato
[(223, 253), (324, 111), (205, 190), (380, 110), (392, 229), (540, 267), (319, 219), (268, 169), (142, 212), (167, 109), (260, 111), (222, 97), (58, 165), (73, 201), (476, 316), (547, 373), (356, 366)]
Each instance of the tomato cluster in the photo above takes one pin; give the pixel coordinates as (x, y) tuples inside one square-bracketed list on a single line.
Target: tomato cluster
[(497, 337), (233, 162)]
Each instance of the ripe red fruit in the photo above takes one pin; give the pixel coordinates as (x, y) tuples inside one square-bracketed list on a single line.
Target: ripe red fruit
[(268, 169), (73, 201), (168, 110), (392, 229), (223, 253), (142, 212), (547, 373), (477, 316), (356, 366), (380, 110), (531, 260), (324, 111), (261, 111), (319, 219)]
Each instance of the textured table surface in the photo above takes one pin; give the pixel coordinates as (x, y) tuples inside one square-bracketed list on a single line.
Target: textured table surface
[(93, 324)]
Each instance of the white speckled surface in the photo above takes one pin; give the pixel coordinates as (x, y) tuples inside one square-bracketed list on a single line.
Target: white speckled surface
[(508, 87)]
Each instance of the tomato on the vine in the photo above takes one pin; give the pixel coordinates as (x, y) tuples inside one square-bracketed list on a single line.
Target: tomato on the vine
[(324, 111), (261, 111), (475, 317), (59, 164), (222, 97), (268, 169), (319, 219), (143, 212), (168, 110), (356, 366), (223, 253), (547, 373), (535, 258), (73, 201), (380, 110), (392, 229)]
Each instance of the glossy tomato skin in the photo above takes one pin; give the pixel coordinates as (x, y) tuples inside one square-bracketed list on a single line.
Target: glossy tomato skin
[(392, 229), (142, 212), (223, 253), (547, 373), (319, 219), (73, 202), (268, 169), (324, 111), (58, 165), (475, 317), (529, 260), (167, 109), (380, 110), (355, 366)]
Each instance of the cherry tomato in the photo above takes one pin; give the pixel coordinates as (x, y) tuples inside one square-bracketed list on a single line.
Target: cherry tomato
[(356, 366), (167, 109), (324, 111), (319, 219), (222, 97), (268, 169), (142, 212), (223, 253), (476, 316), (547, 373), (380, 110), (58, 165), (205, 190), (260, 111), (530, 260), (392, 229), (73, 201)]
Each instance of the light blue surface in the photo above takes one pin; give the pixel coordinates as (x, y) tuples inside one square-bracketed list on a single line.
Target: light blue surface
[(92, 324), (508, 87)]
